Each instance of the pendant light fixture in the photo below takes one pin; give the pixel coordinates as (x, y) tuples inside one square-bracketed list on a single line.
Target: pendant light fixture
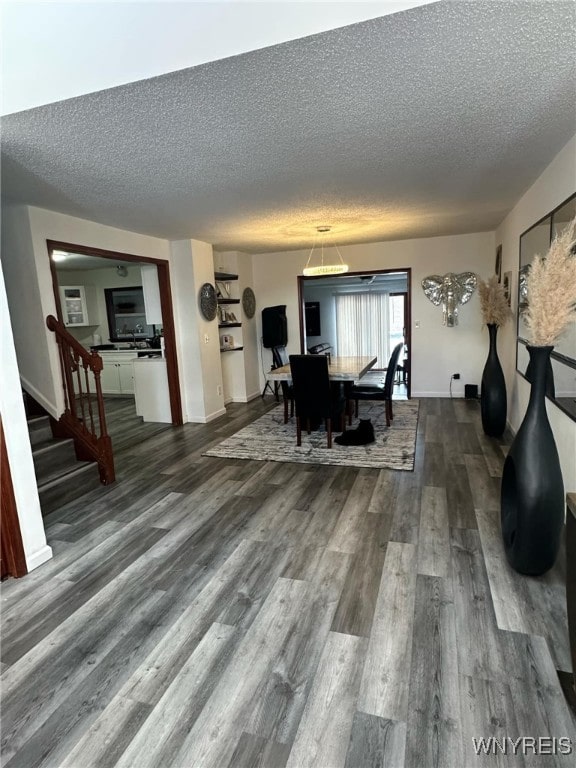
[(316, 270)]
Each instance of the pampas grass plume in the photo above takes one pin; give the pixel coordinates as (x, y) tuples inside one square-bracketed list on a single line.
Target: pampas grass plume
[(551, 290), (493, 302)]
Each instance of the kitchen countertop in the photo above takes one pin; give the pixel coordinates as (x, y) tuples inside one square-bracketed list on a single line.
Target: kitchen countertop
[(120, 351), (133, 352), (147, 359)]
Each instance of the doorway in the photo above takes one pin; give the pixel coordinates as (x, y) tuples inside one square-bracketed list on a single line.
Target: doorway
[(358, 313), (134, 327)]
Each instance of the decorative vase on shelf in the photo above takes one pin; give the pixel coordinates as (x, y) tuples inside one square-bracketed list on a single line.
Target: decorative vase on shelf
[(493, 391), (532, 493)]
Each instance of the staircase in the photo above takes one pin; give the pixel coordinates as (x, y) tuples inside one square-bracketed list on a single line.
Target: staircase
[(59, 475)]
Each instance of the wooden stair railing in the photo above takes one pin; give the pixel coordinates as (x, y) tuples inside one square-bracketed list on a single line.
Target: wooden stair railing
[(91, 439)]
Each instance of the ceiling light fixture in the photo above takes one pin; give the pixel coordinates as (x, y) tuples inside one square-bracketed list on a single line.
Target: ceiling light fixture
[(322, 268), (59, 255), (121, 270)]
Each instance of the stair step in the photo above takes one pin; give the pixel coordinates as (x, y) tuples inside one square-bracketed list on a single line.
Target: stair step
[(39, 429), (54, 459), (60, 477), (81, 479)]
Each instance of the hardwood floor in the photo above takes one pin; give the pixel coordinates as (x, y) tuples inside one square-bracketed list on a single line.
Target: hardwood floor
[(212, 612)]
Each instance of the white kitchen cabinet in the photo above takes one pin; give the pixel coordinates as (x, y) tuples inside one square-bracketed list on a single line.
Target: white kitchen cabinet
[(79, 306), (117, 377)]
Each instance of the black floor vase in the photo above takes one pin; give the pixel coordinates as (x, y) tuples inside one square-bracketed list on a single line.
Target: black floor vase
[(532, 494), (493, 391)]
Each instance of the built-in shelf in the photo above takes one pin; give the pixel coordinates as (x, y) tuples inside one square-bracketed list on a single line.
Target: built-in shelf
[(229, 325), (231, 349), (224, 277), (130, 314), (228, 301)]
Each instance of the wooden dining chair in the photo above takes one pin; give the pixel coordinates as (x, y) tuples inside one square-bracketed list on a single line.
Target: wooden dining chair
[(314, 396), (379, 392)]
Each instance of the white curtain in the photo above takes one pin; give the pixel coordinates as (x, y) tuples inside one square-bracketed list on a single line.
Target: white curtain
[(362, 325)]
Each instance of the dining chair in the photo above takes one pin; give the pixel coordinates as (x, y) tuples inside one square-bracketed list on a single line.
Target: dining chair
[(280, 358), (314, 395), (379, 392)]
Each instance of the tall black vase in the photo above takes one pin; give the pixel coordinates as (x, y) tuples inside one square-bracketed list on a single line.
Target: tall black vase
[(493, 391), (532, 494)]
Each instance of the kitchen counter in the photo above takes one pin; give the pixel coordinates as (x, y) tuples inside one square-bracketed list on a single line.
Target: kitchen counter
[(125, 351), (128, 354), (147, 359), (106, 352)]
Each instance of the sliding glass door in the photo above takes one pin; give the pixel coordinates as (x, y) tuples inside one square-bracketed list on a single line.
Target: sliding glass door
[(362, 325)]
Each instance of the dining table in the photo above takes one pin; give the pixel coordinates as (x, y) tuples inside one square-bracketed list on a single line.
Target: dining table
[(342, 371), (346, 369)]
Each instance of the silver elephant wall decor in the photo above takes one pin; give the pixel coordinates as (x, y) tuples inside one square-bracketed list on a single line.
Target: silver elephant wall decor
[(450, 291)]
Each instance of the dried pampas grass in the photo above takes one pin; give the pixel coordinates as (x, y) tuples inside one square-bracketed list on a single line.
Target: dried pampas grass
[(551, 290), (493, 302)]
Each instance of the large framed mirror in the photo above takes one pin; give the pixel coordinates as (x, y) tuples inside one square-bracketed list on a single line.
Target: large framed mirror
[(561, 385)]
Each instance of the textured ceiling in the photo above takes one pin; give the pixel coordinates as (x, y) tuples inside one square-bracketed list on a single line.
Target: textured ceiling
[(427, 122), (34, 70)]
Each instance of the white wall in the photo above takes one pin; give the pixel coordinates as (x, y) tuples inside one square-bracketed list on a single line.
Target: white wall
[(36, 551), (437, 351), (199, 359), (249, 330), (324, 295), (554, 185), (30, 301), (203, 265)]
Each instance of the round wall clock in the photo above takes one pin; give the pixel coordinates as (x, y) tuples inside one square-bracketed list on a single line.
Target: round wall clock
[(248, 302), (208, 301)]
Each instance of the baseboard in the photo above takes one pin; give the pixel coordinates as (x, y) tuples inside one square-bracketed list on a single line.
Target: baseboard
[(246, 399), (33, 561), (40, 399), (207, 419), (215, 415)]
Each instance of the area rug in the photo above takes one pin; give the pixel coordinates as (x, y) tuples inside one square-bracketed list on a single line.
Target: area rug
[(269, 439)]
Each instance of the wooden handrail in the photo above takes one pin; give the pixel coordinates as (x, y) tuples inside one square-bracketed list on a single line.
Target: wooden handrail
[(90, 434)]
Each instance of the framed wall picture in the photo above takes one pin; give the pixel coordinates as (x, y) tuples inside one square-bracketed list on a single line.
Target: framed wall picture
[(498, 264)]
